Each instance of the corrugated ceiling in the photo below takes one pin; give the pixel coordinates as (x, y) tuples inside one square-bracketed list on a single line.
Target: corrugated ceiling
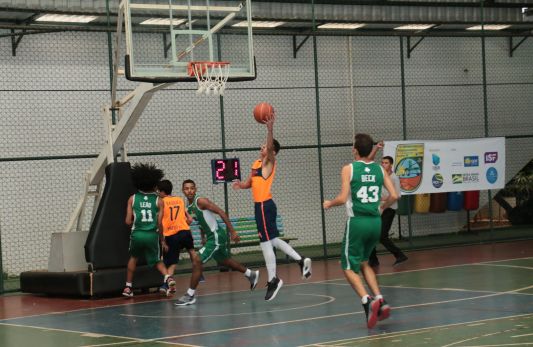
[(507, 11)]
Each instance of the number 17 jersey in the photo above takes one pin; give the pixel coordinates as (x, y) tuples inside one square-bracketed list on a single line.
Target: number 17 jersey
[(174, 219), (365, 184)]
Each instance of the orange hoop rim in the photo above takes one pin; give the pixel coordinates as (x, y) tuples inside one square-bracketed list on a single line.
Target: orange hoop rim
[(210, 63), (205, 65)]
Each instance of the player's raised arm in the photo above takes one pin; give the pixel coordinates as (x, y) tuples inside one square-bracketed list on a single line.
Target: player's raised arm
[(129, 212), (375, 150), (271, 154), (345, 189)]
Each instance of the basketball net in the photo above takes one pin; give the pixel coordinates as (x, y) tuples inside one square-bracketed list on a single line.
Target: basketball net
[(211, 76)]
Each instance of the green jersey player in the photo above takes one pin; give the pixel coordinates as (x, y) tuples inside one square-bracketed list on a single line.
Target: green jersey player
[(143, 214), (361, 186), (214, 237)]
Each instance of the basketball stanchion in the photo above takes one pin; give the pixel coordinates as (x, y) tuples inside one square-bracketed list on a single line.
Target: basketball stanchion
[(211, 76)]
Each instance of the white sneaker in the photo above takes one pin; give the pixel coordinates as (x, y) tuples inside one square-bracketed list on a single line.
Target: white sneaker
[(305, 266), (254, 278), (185, 300)]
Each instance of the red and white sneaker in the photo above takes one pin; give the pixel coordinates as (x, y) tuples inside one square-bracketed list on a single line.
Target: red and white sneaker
[(384, 310), (171, 285), (127, 292), (371, 310)]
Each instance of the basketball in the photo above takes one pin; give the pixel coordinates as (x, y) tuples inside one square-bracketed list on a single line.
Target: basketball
[(263, 112)]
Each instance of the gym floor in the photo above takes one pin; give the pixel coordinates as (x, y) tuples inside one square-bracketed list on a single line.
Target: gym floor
[(479, 295)]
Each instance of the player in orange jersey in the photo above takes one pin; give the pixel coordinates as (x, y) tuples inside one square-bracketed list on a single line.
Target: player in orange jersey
[(260, 181), (175, 225)]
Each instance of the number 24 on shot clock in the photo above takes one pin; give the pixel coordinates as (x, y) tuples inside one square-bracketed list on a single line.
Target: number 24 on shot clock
[(225, 170)]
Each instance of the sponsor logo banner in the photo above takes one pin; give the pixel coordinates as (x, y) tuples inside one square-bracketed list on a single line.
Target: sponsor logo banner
[(492, 175), (450, 165), (437, 180), (491, 157), (471, 160), (409, 165)]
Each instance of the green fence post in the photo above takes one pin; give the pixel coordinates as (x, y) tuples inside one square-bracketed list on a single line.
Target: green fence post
[(110, 59), (485, 105), (319, 138), (404, 133), (1, 264), (222, 126)]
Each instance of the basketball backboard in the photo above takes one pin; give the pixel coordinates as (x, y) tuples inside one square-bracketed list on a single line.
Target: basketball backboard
[(163, 36)]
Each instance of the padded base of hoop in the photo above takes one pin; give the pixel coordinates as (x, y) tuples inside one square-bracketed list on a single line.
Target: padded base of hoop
[(157, 80), (105, 282)]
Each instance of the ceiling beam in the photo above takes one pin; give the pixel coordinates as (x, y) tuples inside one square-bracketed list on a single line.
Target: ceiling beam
[(488, 3)]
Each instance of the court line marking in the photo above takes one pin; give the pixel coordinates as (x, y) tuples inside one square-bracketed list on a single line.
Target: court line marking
[(330, 299), (134, 342), (333, 316), (449, 266), (522, 335), (441, 289), (266, 324), (261, 325), (414, 331), (71, 331), (504, 265), (5, 321), (478, 337), (162, 299), (505, 344), (114, 343), (427, 288), (157, 299), (502, 260), (345, 342)]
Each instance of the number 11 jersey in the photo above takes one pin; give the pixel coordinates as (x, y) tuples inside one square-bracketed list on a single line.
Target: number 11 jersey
[(144, 211)]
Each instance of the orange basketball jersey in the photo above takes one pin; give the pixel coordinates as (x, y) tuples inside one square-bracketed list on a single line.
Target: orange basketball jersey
[(261, 186), (174, 219)]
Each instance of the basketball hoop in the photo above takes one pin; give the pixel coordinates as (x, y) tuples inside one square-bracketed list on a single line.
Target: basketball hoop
[(211, 76)]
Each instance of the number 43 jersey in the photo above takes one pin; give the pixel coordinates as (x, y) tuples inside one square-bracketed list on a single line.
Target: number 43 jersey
[(366, 184)]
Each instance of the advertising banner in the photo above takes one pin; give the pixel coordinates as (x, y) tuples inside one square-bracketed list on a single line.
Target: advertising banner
[(448, 165)]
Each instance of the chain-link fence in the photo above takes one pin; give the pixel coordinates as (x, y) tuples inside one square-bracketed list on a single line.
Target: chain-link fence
[(393, 87)]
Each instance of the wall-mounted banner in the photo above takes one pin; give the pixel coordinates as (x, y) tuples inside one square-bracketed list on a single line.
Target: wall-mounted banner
[(448, 165)]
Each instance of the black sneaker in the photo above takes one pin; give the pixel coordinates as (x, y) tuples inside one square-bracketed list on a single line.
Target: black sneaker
[(384, 310), (273, 288), (254, 278), (367, 307), (371, 311), (305, 267), (400, 260)]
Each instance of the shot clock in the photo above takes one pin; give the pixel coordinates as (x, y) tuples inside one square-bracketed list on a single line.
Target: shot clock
[(225, 170)]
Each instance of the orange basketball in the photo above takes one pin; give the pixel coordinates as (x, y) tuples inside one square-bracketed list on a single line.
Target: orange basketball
[(263, 112)]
